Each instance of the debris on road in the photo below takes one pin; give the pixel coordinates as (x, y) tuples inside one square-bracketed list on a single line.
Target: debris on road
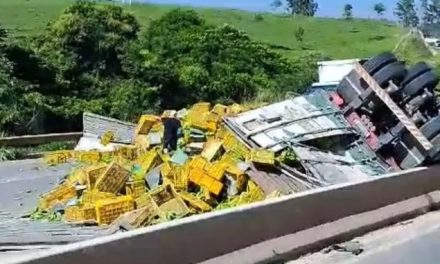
[(139, 184)]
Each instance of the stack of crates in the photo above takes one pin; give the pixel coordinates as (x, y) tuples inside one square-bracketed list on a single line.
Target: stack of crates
[(108, 210), (113, 179), (61, 194), (201, 178)]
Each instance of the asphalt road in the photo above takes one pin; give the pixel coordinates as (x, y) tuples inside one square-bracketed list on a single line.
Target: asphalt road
[(413, 241), (21, 184)]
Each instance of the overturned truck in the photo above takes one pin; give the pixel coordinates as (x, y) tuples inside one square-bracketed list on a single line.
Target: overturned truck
[(382, 117)]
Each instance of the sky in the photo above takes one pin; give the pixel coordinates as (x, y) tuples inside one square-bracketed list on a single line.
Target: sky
[(327, 8)]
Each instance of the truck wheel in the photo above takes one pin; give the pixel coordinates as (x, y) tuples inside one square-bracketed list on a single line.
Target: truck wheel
[(395, 71), (415, 71), (375, 64), (346, 91), (427, 80), (432, 128)]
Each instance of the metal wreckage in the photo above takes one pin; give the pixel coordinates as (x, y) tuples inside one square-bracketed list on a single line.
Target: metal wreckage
[(379, 117)]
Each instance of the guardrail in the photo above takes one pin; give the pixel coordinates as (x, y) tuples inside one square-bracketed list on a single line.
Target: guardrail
[(29, 140)]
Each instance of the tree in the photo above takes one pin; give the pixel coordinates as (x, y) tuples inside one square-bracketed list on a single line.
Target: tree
[(380, 9), (430, 11), (276, 4), (302, 7), (406, 13), (348, 12), (19, 101), (85, 45)]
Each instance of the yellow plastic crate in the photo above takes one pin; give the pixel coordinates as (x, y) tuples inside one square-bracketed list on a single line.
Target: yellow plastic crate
[(238, 175), (165, 169), (89, 156), (199, 123), (78, 214), (91, 197), (216, 170), (60, 194), (110, 209), (220, 109), (198, 162), (146, 122), (128, 152), (221, 132), (180, 177), (212, 117), (262, 157), (142, 142), (148, 161), (212, 149), (230, 141), (107, 137), (113, 179), (235, 109), (201, 107), (93, 173), (195, 202), (144, 216), (169, 201), (135, 188), (54, 158), (78, 176), (143, 200), (240, 151), (200, 177)]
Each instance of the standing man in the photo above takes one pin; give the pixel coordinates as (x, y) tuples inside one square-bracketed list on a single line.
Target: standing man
[(171, 131)]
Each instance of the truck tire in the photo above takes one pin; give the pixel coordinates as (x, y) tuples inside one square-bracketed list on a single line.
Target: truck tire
[(345, 90), (376, 63), (395, 71), (427, 80), (415, 71), (432, 128)]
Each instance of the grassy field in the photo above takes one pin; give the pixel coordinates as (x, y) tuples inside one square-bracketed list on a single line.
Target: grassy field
[(334, 38)]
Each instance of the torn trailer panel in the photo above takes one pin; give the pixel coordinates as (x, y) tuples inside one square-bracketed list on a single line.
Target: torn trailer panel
[(328, 149), (298, 119)]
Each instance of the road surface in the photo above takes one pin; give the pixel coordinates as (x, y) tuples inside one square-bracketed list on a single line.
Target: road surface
[(413, 241)]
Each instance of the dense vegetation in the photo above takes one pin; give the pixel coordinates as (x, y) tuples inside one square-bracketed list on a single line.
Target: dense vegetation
[(94, 57)]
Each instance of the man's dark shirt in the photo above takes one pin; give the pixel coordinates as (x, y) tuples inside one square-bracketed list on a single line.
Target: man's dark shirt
[(171, 128)]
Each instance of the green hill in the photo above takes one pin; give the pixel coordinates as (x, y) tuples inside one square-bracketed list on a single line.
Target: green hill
[(334, 38)]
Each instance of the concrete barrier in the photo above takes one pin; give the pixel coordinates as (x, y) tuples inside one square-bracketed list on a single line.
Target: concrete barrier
[(206, 236), (29, 140)]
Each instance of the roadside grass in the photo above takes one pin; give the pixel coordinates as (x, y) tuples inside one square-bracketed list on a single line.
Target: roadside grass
[(333, 38)]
